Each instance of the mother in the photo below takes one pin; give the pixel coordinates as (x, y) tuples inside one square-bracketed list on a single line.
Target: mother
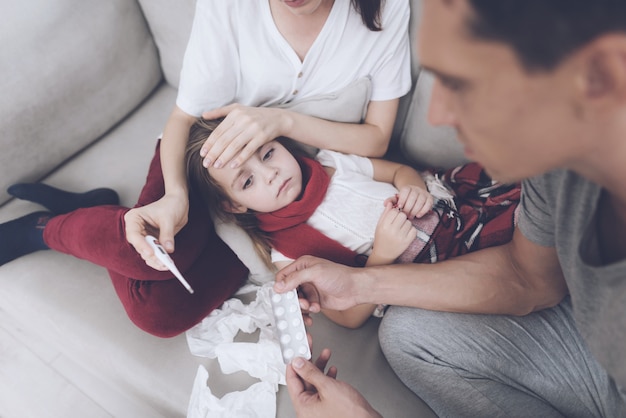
[(247, 61)]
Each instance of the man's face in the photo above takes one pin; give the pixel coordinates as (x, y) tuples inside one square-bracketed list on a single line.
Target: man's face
[(269, 180), (515, 123)]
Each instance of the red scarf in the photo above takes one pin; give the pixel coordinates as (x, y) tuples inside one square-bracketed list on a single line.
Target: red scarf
[(289, 232)]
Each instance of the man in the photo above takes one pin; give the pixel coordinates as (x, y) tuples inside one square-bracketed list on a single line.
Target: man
[(536, 90)]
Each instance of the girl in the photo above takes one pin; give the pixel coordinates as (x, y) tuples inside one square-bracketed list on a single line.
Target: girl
[(351, 209)]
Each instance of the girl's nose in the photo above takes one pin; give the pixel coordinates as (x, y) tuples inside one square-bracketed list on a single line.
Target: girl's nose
[(270, 173)]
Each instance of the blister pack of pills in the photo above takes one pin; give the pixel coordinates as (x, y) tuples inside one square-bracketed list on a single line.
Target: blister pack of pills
[(290, 325)]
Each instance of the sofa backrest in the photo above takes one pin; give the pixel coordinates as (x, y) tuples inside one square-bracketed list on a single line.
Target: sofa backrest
[(414, 138), (70, 71)]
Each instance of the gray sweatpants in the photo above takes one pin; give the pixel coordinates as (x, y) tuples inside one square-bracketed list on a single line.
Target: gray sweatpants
[(499, 366)]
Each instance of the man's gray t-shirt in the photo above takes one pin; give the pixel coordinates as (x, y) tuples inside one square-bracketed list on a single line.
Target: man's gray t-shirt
[(559, 210)]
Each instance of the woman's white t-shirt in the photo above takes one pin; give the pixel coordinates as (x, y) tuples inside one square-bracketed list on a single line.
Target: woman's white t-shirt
[(236, 54)]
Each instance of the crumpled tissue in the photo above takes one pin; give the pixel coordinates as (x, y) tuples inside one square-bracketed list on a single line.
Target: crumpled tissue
[(258, 401), (215, 336)]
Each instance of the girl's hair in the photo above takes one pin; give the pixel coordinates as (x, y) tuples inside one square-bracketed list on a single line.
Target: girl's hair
[(215, 198), (370, 11)]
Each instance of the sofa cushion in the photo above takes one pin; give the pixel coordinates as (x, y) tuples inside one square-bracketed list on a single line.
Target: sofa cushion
[(70, 304), (170, 23), (423, 144), (62, 91)]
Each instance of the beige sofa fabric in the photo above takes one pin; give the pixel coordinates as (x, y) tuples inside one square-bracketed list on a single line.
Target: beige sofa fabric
[(70, 70), (170, 23), (425, 145)]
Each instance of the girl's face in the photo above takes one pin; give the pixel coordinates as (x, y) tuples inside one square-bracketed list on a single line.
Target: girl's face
[(269, 180)]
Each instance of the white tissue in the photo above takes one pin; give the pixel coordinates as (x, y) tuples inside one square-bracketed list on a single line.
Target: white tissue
[(214, 338), (258, 401), (262, 360)]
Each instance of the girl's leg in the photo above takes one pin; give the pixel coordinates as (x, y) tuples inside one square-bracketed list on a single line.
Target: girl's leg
[(153, 299)]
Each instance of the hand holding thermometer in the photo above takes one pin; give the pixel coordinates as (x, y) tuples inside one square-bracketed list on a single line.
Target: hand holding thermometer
[(164, 258)]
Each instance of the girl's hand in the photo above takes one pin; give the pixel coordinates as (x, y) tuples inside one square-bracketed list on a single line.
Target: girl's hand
[(413, 201), (393, 234), (240, 134), (162, 219)]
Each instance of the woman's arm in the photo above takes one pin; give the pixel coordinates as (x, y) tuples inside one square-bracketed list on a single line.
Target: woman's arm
[(165, 217), (245, 129), (175, 138)]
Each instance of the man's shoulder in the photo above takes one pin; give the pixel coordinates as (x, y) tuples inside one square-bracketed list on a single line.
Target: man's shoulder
[(558, 183)]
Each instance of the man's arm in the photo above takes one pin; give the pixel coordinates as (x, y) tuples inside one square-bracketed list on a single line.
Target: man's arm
[(515, 278)]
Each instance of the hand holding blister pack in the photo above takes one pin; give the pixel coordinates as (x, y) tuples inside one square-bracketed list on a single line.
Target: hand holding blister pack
[(290, 325), (165, 258)]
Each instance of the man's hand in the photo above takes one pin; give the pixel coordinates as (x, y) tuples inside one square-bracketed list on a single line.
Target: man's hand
[(323, 283), (315, 394), (163, 219)]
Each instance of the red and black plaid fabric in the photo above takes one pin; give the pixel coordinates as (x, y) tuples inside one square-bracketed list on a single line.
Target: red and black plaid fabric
[(481, 214)]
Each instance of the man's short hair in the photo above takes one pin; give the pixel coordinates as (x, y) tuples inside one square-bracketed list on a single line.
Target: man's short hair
[(544, 32)]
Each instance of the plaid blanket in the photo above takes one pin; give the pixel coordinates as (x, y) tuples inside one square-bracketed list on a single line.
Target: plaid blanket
[(471, 211)]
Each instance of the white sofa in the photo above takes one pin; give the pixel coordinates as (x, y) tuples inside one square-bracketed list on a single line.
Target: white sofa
[(87, 87)]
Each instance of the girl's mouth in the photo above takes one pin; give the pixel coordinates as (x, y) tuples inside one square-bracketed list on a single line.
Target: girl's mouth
[(283, 186)]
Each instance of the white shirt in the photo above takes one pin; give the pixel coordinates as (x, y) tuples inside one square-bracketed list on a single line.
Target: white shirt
[(236, 54), (353, 203)]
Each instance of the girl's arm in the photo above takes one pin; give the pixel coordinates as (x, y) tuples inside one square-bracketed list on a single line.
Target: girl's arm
[(399, 175), (349, 318), (394, 233), (247, 128), (413, 197)]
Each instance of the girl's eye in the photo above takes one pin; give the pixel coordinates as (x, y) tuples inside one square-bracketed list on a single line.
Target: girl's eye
[(268, 154), (247, 183)]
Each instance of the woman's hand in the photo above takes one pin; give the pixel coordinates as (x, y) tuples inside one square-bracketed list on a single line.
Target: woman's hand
[(162, 219), (394, 232), (243, 130)]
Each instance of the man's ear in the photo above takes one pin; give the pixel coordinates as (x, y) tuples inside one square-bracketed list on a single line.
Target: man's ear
[(234, 207), (604, 70)]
